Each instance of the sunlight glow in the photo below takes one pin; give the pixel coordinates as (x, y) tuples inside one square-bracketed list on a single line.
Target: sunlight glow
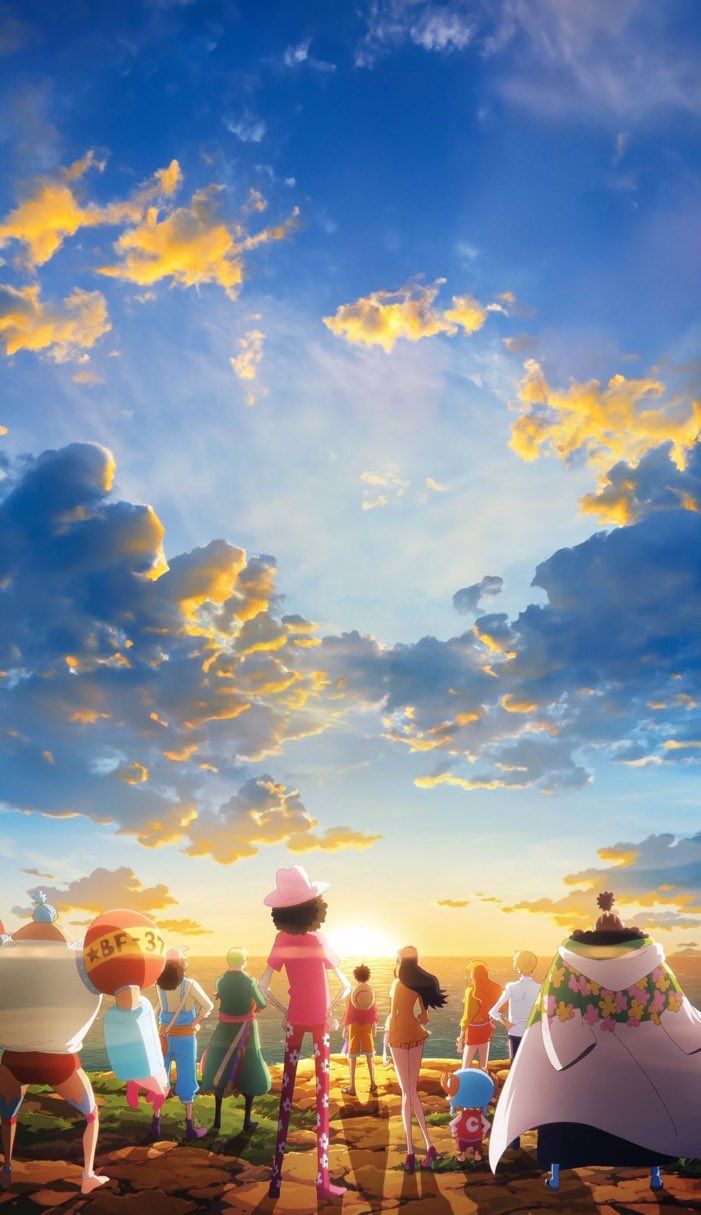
[(362, 941)]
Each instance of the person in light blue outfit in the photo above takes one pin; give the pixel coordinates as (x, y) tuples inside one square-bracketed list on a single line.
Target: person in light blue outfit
[(183, 1007)]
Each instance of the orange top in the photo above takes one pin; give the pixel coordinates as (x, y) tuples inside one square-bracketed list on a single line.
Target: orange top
[(402, 1023)]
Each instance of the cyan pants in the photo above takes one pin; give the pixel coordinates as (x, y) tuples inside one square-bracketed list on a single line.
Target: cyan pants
[(183, 1053)]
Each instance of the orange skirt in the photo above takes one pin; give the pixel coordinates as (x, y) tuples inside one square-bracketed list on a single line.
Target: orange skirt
[(478, 1033)]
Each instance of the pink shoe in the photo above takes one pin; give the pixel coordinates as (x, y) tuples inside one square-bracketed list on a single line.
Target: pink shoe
[(429, 1159), (410, 1163), (132, 1095)]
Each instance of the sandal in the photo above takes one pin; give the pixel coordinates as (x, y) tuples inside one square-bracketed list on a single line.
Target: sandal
[(349, 1092), (373, 1089)]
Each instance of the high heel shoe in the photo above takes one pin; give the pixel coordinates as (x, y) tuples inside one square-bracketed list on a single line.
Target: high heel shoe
[(410, 1163), (429, 1159)]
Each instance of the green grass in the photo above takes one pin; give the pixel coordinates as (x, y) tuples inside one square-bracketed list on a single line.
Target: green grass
[(44, 1121)]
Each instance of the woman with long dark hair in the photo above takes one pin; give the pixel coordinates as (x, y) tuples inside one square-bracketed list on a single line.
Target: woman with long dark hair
[(405, 1034)]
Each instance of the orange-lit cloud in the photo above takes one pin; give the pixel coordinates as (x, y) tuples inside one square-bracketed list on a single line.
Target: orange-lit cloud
[(190, 246), (53, 212), (246, 364), (619, 421), (453, 904), (105, 888), (383, 317), (62, 330), (184, 927), (261, 814)]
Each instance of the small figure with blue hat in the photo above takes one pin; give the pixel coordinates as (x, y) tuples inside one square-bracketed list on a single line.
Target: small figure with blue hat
[(469, 1092)]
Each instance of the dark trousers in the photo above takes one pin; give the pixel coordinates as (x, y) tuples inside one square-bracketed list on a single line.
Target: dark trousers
[(514, 1044)]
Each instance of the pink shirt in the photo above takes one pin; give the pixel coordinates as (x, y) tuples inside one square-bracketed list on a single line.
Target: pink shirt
[(306, 958)]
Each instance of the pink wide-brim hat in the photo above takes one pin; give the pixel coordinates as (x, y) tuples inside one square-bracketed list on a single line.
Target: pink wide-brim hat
[(293, 887)]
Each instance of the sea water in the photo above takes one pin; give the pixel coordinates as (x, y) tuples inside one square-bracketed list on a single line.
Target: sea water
[(443, 1025)]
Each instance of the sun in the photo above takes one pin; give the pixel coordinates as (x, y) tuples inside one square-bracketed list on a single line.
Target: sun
[(362, 941)]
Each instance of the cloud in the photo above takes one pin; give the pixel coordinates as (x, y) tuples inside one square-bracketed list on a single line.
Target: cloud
[(617, 422), (49, 877), (103, 889), (381, 488), (383, 317), (440, 28), (661, 874), (559, 60), (297, 55), (468, 598), (183, 928), (134, 690), (52, 211), (190, 246), (248, 128), (453, 904), (260, 814), (62, 330), (436, 486), (246, 364), (627, 492)]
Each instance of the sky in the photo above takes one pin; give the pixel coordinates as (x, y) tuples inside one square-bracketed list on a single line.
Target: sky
[(351, 492)]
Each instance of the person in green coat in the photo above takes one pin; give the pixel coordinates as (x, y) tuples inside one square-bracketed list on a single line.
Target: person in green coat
[(233, 1062)]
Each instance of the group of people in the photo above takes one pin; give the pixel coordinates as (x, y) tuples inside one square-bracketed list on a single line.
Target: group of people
[(605, 1052)]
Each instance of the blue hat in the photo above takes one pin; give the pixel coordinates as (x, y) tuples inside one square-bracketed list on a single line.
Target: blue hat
[(468, 1088)]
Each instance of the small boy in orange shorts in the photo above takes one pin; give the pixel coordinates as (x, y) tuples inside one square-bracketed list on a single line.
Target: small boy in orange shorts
[(359, 1021)]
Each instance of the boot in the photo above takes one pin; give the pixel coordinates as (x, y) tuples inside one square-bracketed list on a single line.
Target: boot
[(194, 1132), (156, 1126)]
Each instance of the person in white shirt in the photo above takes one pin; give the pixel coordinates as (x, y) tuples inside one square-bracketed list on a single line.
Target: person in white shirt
[(519, 997)]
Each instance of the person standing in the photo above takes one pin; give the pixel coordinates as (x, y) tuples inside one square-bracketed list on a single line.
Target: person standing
[(359, 1021), (298, 911), (519, 998), (476, 1028), (183, 1008), (405, 1034), (233, 1062)]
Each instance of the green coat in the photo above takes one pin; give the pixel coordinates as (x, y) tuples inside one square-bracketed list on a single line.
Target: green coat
[(237, 992)]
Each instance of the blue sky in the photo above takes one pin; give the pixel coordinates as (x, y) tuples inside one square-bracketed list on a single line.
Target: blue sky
[(350, 287)]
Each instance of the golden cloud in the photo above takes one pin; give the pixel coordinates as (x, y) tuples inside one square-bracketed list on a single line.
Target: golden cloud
[(606, 424), (62, 330), (104, 888), (52, 212), (263, 813), (453, 904), (190, 246), (183, 928), (383, 317), (246, 364)]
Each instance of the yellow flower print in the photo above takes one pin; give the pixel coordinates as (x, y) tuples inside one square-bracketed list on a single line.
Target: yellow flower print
[(662, 983), (607, 1006), (674, 1001), (637, 1010), (594, 988), (564, 1012), (558, 976)]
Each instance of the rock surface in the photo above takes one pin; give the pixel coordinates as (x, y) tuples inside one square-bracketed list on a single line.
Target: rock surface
[(367, 1151)]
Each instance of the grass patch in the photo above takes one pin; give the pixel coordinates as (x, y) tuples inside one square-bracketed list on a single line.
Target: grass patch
[(686, 1167), (441, 1119)]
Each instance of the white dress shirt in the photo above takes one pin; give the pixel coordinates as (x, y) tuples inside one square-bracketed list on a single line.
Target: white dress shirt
[(521, 996)]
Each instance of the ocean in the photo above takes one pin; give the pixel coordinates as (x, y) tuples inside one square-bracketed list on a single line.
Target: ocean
[(443, 1025)]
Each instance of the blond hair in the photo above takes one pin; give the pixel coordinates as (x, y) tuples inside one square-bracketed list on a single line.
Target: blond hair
[(236, 957), (525, 961)]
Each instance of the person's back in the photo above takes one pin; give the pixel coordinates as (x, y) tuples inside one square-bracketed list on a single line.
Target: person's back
[(359, 1022)]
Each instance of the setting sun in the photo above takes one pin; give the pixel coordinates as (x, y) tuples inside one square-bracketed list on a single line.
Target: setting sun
[(362, 940)]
